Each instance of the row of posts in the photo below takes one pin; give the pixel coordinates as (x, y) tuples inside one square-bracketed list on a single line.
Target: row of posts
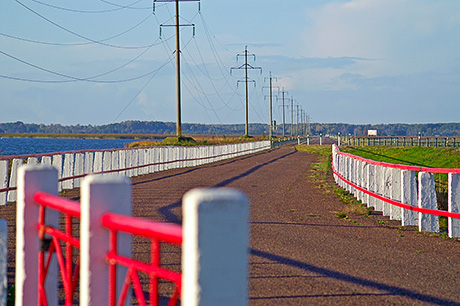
[(401, 186), (399, 141)]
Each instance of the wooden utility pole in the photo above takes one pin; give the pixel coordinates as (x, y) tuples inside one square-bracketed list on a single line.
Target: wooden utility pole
[(246, 80), (177, 25), (283, 92)]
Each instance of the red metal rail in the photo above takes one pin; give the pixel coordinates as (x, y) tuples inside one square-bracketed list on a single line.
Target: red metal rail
[(69, 270), (435, 212), (157, 232), (402, 167)]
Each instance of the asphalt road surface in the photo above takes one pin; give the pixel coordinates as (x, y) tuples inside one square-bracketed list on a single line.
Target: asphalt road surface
[(300, 252)]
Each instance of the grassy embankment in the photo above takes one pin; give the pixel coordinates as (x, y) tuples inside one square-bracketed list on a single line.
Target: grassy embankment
[(416, 156), (198, 140)]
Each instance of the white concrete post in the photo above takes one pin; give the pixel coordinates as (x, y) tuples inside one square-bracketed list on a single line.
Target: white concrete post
[(379, 186), (348, 172), (79, 167), (135, 162), (453, 225), (116, 161), (47, 160), (364, 184), (33, 161), (13, 178), (122, 162), (334, 161), (3, 261), (98, 160), (409, 197), (395, 211), (215, 248), (30, 180), (359, 174), (69, 161), (427, 199), (89, 162), (4, 168), (371, 185), (107, 161), (140, 161), (101, 194), (58, 163), (387, 190)]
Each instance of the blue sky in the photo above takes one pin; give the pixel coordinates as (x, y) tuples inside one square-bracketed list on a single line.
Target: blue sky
[(103, 61)]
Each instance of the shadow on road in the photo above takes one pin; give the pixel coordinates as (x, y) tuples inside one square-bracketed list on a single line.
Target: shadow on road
[(390, 290), (170, 216)]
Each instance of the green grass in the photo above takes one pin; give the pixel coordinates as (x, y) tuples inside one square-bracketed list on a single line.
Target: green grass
[(414, 156)]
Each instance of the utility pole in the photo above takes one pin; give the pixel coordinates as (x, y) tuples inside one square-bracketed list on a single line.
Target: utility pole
[(246, 80), (297, 125), (177, 25), (283, 92), (292, 116), (271, 103)]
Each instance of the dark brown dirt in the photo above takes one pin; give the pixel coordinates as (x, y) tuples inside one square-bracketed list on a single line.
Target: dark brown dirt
[(300, 252)]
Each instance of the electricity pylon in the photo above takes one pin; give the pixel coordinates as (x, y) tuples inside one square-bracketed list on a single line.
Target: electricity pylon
[(177, 25), (246, 80)]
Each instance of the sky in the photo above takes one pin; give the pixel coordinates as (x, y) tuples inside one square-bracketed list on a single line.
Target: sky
[(105, 61)]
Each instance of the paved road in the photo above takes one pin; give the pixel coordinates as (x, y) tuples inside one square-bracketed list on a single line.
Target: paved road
[(300, 252)]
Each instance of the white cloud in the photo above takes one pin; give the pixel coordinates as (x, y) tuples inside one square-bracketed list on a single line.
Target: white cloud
[(406, 36)]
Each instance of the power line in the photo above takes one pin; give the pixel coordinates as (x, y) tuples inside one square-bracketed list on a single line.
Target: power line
[(117, 7)]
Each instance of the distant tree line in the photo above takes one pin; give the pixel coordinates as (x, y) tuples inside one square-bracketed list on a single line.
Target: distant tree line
[(169, 128)]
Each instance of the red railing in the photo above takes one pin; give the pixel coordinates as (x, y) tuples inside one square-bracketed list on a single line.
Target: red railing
[(69, 271), (157, 233), (402, 167)]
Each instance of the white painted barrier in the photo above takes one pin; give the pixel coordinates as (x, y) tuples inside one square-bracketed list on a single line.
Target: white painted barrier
[(215, 248), (139, 161), (395, 183), (100, 195)]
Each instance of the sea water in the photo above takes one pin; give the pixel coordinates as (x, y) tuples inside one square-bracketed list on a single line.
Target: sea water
[(24, 146)]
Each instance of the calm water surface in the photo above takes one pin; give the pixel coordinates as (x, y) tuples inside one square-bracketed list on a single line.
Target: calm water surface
[(23, 146)]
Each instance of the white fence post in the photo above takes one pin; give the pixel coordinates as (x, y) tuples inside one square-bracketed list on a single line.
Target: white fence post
[(107, 161), (427, 199), (3, 261), (69, 160), (215, 248), (89, 162), (4, 168), (57, 163), (79, 167), (386, 190), (454, 204), (13, 178), (395, 211), (30, 180), (98, 160), (409, 197), (379, 186), (101, 194), (371, 183)]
